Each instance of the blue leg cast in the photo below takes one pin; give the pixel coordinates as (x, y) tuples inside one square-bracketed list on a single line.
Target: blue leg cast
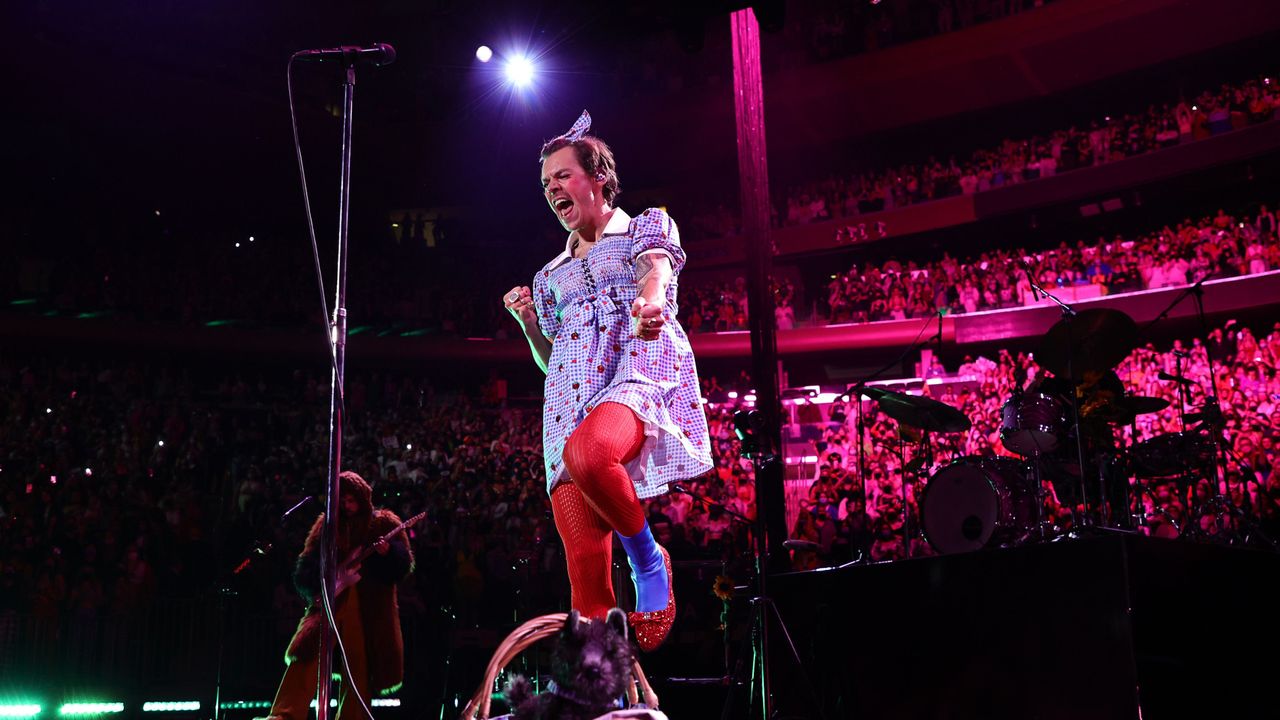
[(647, 570)]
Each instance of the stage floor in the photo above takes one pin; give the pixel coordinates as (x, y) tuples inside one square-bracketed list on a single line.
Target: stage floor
[(1109, 627)]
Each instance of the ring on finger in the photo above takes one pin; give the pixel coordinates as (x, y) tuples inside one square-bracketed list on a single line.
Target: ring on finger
[(513, 297)]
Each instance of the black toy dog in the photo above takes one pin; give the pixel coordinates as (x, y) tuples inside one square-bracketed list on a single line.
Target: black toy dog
[(590, 669)]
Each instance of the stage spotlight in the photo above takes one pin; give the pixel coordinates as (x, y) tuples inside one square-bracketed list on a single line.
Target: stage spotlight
[(519, 71), (484, 54)]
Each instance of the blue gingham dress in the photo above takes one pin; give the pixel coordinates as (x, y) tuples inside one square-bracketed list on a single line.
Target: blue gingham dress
[(584, 307)]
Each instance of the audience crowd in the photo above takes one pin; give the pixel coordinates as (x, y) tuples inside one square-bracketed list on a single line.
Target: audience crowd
[(1019, 160), (121, 484), (1217, 246)]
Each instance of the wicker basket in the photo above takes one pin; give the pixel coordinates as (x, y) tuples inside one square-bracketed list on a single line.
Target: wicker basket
[(541, 627)]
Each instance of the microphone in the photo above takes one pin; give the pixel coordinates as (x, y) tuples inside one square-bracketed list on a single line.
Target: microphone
[(376, 55), (1031, 278), (1174, 378)]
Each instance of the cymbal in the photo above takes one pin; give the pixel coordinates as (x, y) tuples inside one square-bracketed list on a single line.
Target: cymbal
[(919, 412), (1090, 341), (1126, 409)]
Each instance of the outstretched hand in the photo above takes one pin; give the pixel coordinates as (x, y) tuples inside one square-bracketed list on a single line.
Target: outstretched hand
[(647, 320)]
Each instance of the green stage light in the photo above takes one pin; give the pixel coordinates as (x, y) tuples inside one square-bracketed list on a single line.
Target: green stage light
[(24, 301), (386, 702), (171, 706), (19, 710), (246, 705), (78, 709)]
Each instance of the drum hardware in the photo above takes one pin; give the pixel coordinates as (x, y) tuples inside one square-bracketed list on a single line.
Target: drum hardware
[(1080, 343), (915, 413), (1208, 419)]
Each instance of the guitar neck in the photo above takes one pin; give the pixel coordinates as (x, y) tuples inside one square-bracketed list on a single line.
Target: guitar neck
[(368, 549)]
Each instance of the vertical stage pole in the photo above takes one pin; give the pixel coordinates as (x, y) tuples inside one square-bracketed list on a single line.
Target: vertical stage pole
[(753, 174)]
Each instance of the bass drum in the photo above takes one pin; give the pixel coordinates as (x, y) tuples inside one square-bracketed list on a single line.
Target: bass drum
[(977, 502)]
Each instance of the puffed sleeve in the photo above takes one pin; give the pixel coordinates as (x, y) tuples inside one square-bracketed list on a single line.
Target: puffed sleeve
[(544, 300), (653, 231)]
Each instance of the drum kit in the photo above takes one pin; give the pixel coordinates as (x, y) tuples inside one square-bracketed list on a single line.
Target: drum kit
[(1062, 430)]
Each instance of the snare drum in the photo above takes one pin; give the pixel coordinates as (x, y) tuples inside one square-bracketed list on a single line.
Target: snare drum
[(1033, 423), (976, 502)]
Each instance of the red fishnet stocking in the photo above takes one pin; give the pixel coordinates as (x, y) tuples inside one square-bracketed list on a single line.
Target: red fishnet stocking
[(588, 546), (594, 455)]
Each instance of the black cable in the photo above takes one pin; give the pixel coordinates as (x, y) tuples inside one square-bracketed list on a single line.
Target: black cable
[(311, 232), (338, 377)]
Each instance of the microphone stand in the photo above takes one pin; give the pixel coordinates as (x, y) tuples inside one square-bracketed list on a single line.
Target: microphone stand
[(1213, 420), (329, 547), (1068, 314), (749, 429), (225, 590)]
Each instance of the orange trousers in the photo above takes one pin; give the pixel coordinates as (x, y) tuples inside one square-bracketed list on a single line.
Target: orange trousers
[(298, 688)]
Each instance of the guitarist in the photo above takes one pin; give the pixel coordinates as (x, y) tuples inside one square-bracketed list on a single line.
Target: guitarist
[(365, 607)]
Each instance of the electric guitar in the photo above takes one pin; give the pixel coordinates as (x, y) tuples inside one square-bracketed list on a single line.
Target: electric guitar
[(357, 556)]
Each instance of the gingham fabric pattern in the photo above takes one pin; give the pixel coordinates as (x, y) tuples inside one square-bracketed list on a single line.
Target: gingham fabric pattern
[(584, 306)]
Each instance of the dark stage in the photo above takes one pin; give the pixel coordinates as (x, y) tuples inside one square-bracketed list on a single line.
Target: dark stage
[(1105, 627)]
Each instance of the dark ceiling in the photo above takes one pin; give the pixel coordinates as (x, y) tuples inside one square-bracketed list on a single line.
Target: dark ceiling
[(117, 106)]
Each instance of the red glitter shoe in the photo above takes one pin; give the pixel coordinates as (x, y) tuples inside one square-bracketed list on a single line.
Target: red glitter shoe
[(652, 628)]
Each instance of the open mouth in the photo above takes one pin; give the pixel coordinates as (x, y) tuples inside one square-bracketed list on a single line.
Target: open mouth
[(562, 206)]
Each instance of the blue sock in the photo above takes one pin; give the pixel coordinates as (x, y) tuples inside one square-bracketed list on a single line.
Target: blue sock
[(648, 572)]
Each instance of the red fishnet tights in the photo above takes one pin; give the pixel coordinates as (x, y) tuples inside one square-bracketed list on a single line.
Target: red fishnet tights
[(598, 499)]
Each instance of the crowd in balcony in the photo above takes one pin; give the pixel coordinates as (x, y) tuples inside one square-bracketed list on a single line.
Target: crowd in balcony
[(1216, 246)]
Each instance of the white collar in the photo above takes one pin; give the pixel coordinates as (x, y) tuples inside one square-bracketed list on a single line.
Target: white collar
[(618, 223)]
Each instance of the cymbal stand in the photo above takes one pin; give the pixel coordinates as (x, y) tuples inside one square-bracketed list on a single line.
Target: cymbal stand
[(1214, 420), (864, 552), (855, 391), (1084, 519)]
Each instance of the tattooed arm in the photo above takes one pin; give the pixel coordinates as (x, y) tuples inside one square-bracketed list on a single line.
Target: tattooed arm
[(653, 274)]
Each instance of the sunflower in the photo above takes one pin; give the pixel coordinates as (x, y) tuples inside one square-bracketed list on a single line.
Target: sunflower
[(723, 587)]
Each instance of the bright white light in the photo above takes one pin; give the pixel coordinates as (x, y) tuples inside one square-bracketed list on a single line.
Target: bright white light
[(389, 702), (250, 238), (48, 410), (161, 443), (171, 706), (408, 446), (733, 395), (484, 54), (237, 244), (88, 472), (519, 71)]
